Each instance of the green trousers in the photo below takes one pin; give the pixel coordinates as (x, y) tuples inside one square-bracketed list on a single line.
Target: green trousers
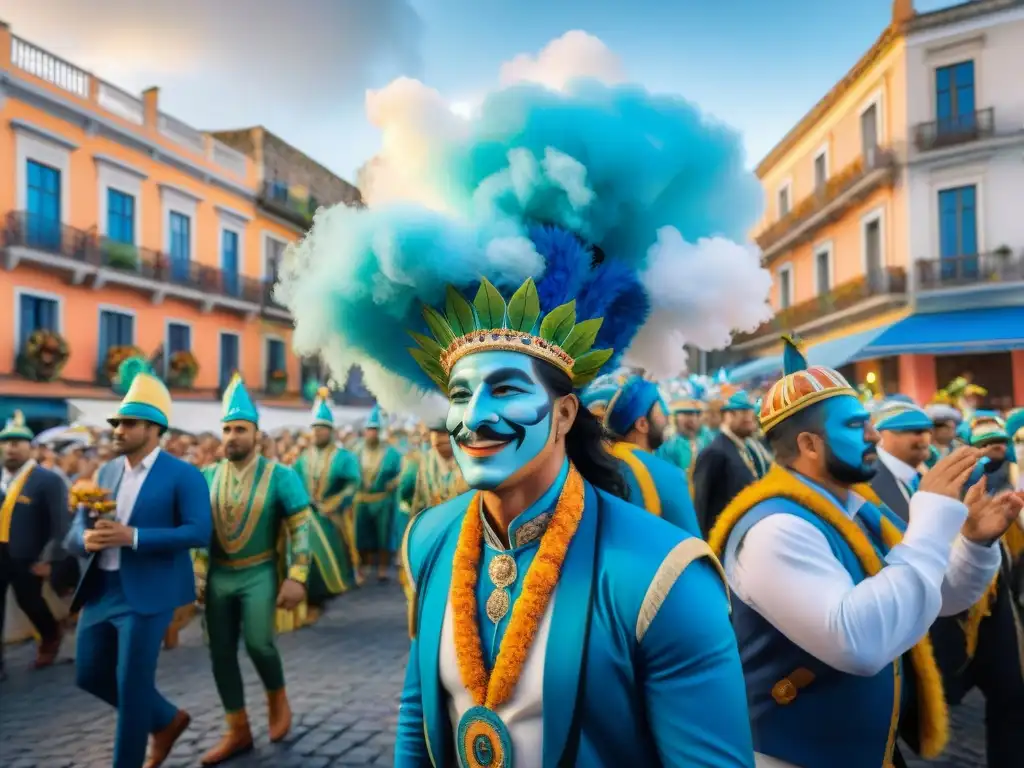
[(240, 604), (374, 520)]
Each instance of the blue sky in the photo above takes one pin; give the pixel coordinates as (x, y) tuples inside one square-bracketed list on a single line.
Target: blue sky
[(301, 72)]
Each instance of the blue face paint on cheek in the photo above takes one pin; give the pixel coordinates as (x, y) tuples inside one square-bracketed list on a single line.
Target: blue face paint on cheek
[(499, 418), (845, 418)]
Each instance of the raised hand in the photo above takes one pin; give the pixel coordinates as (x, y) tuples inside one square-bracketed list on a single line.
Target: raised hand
[(988, 517), (948, 476)]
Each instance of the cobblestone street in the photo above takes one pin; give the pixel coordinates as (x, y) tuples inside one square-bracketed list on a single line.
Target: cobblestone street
[(344, 676)]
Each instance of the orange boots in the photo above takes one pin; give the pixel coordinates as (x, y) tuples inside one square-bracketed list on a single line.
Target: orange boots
[(237, 740), (279, 713)]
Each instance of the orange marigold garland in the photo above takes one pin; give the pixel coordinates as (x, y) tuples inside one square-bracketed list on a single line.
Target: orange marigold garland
[(492, 690)]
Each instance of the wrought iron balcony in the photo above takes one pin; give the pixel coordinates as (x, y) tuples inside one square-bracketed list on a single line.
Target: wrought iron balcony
[(101, 257), (277, 197), (852, 184), (980, 269), (955, 129), (883, 282)]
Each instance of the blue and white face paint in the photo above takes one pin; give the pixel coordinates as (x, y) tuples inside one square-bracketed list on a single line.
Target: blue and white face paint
[(850, 439), (499, 417)]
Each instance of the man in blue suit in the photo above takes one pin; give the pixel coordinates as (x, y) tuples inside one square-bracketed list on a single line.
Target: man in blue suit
[(637, 418), (139, 571)]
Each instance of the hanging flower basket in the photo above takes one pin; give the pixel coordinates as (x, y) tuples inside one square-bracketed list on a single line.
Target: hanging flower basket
[(116, 356), (182, 369), (277, 382), (44, 355)]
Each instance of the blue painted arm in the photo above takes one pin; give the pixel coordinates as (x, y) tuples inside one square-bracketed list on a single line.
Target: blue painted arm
[(192, 505), (410, 741), (74, 541), (693, 680)]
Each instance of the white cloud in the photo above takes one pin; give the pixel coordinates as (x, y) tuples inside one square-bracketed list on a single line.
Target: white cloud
[(574, 55)]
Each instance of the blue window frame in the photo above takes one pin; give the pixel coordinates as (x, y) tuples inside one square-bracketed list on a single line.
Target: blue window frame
[(43, 202), (229, 261), (179, 338), (120, 216), (228, 357), (955, 106), (276, 360), (958, 232), (36, 313), (117, 329), (180, 245)]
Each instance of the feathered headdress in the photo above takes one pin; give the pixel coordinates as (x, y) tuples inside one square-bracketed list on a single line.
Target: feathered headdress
[(582, 228)]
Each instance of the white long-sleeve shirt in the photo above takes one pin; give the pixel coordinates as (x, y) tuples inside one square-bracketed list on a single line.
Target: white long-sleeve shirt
[(127, 493), (785, 570)]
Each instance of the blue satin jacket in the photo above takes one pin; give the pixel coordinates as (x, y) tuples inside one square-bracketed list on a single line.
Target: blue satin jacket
[(172, 515), (670, 486), (663, 680)]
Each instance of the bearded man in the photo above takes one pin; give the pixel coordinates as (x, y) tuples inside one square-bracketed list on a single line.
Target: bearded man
[(259, 506), (835, 594)]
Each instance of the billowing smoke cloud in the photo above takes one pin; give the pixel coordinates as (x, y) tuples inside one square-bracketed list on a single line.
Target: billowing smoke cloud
[(648, 178)]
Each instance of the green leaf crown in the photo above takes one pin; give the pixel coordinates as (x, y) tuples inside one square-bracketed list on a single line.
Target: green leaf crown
[(489, 323)]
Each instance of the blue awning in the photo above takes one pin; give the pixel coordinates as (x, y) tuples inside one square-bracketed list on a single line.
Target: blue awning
[(994, 329), (34, 408), (759, 367), (836, 353)]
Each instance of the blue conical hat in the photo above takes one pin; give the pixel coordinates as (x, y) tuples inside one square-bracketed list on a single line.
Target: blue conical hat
[(238, 405), (15, 428), (374, 420), (322, 415), (146, 397)]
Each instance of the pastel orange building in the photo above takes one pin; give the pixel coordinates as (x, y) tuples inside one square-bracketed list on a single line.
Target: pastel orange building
[(125, 229), (849, 248)]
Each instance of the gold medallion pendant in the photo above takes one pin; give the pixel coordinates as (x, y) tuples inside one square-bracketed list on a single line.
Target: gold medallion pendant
[(497, 605)]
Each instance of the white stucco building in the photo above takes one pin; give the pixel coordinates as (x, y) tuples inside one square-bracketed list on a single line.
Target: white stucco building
[(965, 153)]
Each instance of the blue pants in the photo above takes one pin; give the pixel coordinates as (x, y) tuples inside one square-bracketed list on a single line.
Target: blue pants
[(116, 661)]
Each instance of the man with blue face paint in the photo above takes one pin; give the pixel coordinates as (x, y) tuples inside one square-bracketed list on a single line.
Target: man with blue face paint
[(553, 622), (520, 589), (732, 461), (835, 594), (636, 417)]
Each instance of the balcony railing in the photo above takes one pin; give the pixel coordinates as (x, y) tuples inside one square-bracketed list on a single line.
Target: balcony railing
[(87, 248), (278, 197), (955, 129), (857, 179), (36, 62), (49, 68), (1002, 266), (882, 282)]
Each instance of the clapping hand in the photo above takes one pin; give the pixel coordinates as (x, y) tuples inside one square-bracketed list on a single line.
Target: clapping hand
[(948, 476), (988, 517)]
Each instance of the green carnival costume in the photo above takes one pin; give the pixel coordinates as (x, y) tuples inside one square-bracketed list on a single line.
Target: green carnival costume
[(376, 503), (682, 450), (331, 476), (244, 574)]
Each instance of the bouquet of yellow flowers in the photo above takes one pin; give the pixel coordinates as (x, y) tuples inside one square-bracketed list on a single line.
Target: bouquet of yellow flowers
[(98, 502)]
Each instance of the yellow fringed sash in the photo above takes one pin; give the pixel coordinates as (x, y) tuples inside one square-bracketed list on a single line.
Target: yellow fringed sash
[(780, 483), (648, 490)]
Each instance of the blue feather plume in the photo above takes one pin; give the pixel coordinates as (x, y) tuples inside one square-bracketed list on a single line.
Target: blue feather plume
[(793, 359)]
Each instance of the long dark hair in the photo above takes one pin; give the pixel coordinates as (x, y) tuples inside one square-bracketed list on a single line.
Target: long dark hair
[(585, 443)]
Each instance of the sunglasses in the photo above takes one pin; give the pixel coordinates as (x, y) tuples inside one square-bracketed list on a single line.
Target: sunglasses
[(126, 423)]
